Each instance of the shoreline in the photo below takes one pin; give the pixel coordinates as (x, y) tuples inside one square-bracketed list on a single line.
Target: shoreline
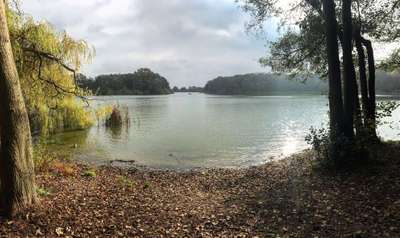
[(132, 164)]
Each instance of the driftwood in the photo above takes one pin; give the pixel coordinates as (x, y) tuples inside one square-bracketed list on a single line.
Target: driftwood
[(122, 161)]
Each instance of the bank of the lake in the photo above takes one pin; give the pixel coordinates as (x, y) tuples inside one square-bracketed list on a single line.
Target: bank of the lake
[(287, 198)]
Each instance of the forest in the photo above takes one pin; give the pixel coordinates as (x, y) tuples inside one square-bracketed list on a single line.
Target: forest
[(200, 165), (263, 84), (190, 89), (280, 84), (141, 82)]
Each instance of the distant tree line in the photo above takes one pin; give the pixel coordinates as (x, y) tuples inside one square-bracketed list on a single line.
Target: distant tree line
[(268, 83), (387, 82), (141, 82), (192, 89), (263, 84)]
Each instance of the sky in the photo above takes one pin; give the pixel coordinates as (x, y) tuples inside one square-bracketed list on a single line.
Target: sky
[(187, 41)]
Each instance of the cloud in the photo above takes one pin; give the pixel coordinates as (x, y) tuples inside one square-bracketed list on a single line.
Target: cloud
[(189, 42)]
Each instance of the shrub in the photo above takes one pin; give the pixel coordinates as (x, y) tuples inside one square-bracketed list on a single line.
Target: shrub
[(340, 153), (42, 157), (319, 141), (115, 119)]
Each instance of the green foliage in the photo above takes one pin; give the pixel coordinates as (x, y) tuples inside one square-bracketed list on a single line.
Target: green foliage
[(69, 115), (384, 110), (146, 185), (46, 60), (42, 192), (126, 181), (298, 49), (193, 89), (103, 113), (262, 84), (320, 142), (141, 82), (340, 153), (43, 157), (89, 173), (298, 53)]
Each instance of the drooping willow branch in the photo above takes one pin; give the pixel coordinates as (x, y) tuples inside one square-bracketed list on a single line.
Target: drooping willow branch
[(41, 56)]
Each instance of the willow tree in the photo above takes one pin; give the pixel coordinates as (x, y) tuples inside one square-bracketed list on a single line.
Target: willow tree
[(38, 79), (48, 61), (17, 180)]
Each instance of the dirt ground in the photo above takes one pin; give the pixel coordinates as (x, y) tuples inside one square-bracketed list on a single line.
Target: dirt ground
[(288, 198)]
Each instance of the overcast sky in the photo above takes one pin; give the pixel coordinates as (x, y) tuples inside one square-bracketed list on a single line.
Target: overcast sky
[(187, 41)]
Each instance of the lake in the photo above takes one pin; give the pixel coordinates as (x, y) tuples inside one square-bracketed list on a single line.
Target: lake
[(184, 131)]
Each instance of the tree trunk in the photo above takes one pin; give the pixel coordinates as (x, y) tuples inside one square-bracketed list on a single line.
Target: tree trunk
[(335, 85), (371, 125), (357, 113), (17, 181), (363, 75), (350, 95)]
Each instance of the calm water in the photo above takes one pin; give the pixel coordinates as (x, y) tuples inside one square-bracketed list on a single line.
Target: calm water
[(186, 131)]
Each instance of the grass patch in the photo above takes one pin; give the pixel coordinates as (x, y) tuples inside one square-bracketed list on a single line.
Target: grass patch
[(42, 192), (89, 173), (123, 180), (146, 185)]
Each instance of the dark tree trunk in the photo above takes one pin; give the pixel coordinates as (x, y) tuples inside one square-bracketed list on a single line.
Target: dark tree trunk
[(363, 75), (17, 181), (357, 113), (334, 74), (371, 125), (350, 93)]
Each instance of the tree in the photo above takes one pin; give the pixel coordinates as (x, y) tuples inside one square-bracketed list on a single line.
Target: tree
[(17, 179), (299, 50), (362, 71), (371, 107), (337, 123), (349, 80), (48, 61)]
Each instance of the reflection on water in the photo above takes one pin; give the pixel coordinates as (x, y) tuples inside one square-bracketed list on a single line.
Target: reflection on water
[(115, 132), (118, 132), (290, 146), (69, 139), (186, 131)]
